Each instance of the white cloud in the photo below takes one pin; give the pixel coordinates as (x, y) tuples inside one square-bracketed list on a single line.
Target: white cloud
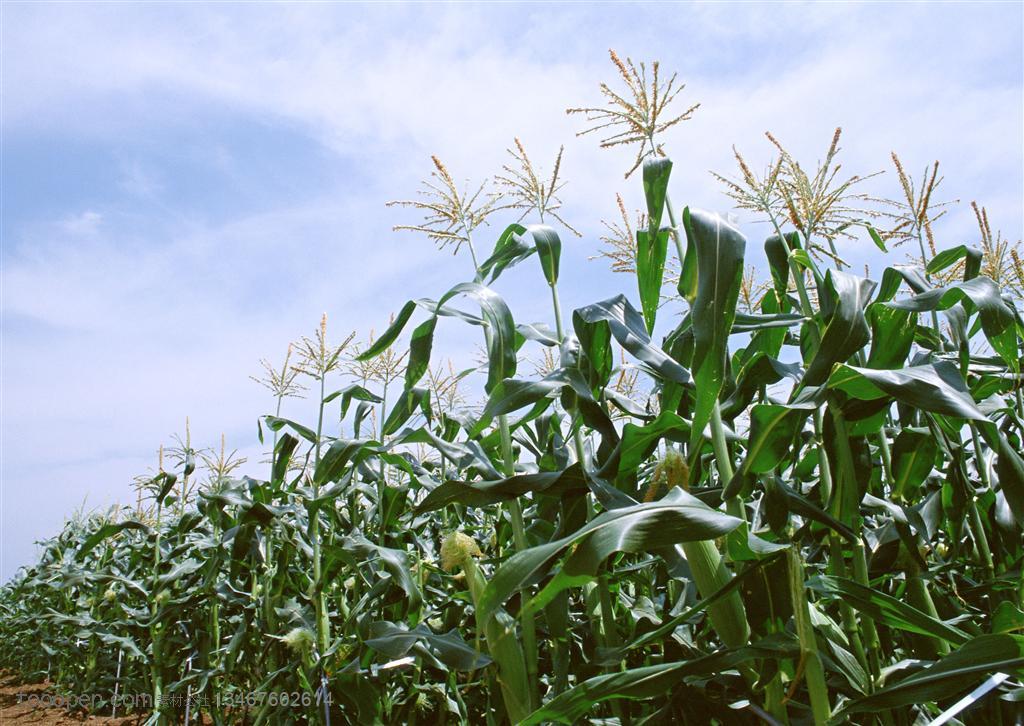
[(85, 224)]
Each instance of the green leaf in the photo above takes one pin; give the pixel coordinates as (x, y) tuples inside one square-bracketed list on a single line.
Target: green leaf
[(638, 442), (396, 562), (656, 172), (677, 517), (513, 394), (652, 243), (509, 250), (773, 428), (939, 388), (283, 452), (892, 335), (885, 609), (843, 300), (394, 640), (482, 494), (719, 253), (390, 335), (333, 461), (549, 250), (778, 260), (799, 504), (351, 393), (420, 344), (410, 400), (276, 424), (629, 330), (948, 258), (981, 294), (756, 372), (609, 656), (936, 387), (466, 456), (1007, 618), (749, 323), (164, 481), (651, 252), (913, 456), (123, 642), (105, 532), (501, 351), (875, 237), (652, 681), (595, 360), (947, 677)]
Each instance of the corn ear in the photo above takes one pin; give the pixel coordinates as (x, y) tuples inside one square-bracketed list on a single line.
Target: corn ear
[(499, 631), (728, 616)]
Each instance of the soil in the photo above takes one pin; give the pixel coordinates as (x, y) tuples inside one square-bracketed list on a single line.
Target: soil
[(31, 703)]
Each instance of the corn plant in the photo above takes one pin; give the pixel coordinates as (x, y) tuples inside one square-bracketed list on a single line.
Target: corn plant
[(801, 504)]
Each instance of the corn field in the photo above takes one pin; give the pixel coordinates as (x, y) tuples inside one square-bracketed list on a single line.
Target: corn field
[(803, 504)]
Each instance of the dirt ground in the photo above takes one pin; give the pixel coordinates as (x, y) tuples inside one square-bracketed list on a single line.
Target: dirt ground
[(25, 703)]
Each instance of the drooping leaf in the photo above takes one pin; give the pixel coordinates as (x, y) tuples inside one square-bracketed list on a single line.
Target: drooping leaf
[(677, 517), (844, 299), (510, 249), (652, 681), (501, 352), (778, 259), (629, 330), (947, 677), (948, 258), (913, 456), (394, 640), (773, 428), (105, 532), (351, 393), (885, 609), (276, 424), (981, 294), (480, 494), (396, 562), (549, 250)]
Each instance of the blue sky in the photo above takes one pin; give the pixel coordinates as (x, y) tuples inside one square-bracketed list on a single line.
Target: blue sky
[(187, 187)]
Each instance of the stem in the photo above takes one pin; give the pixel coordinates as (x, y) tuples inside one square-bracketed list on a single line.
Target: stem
[(675, 229), (846, 506), (519, 537), (319, 603), (920, 598), (723, 462), (824, 468), (794, 268), (728, 616), (382, 480), (503, 647), (871, 642), (269, 615), (155, 629), (935, 315), (980, 538), (886, 453), (817, 688), (518, 528)]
